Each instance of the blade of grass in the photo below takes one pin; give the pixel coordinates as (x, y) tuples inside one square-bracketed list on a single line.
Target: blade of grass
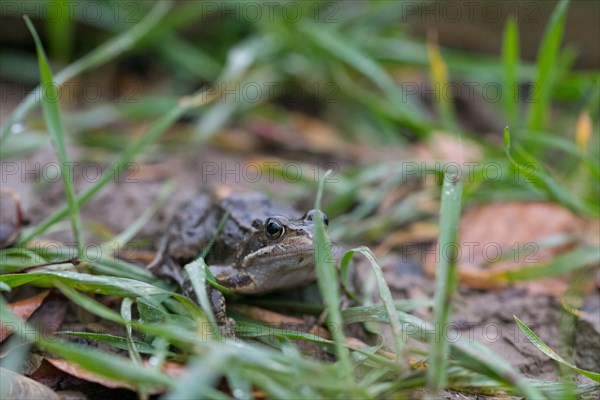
[(109, 285), (111, 340), (196, 271), (445, 281), (544, 348), (386, 297), (89, 304), (55, 130), (134, 355), (547, 56), (101, 55), (574, 259), (510, 64), (328, 284), (60, 32), (126, 305), (202, 375)]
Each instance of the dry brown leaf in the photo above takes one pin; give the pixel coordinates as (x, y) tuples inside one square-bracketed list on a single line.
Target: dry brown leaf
[(170, 368), (17, 386), (268, 317), (512, 230), (77, 371), (282, 321), (23, 310)]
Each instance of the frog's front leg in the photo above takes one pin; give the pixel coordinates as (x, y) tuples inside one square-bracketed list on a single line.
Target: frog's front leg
[(225, 325)]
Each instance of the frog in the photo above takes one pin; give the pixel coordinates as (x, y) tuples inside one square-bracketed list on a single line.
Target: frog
[(262, 245)]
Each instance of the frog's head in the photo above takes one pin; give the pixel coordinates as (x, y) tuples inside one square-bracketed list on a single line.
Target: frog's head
[(280, 253)]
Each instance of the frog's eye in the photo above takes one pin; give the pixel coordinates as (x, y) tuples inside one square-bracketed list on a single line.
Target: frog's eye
[(273, 228), (310, 216)]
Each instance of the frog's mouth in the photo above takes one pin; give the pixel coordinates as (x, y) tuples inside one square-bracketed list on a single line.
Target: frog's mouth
[(296, 253), (279, 267)]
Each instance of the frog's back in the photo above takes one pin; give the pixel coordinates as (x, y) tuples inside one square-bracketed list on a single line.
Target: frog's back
[(195, 224)]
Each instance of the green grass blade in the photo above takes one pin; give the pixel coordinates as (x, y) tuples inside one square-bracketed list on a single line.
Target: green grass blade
[(89, 304), (328, 284), (15, 259), (546, 67), (60, 32), (445, 278), (56, 132), (108, 285), (386, 297), (101, 55), (202, 375), (510, 64), (126, 306), (111, 340), (196, 271), (574, 259), (543, 347)]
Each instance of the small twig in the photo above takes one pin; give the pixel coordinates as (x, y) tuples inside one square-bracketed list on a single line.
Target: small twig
[(73, 260)]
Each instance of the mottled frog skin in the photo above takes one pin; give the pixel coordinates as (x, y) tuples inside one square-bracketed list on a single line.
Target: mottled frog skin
[(263, 246)]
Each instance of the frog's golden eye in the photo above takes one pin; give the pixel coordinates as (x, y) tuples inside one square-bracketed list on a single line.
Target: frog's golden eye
[(273, 228)]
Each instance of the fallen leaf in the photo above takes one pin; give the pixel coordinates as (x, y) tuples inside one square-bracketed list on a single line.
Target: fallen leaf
[(170, 368), (17, 386), (75, 370), (499, 237), (23, 310)]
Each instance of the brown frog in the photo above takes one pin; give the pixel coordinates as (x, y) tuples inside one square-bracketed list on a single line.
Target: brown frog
[(261, 247)]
